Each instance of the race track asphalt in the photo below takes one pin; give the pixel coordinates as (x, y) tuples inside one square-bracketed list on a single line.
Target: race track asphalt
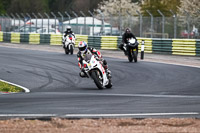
[(140, 90)]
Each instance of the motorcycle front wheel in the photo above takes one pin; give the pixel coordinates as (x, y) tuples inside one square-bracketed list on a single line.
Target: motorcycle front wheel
[(66, 51), (130, 57), (71, 49), (135, 55), (97, 80)]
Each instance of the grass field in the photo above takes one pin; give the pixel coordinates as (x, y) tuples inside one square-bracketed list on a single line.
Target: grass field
[(4, 87)]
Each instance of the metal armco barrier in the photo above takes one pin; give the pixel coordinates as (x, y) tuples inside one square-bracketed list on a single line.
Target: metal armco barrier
[(190, 47), (148, 44), (198, 47), (184, 47), (162, 46), (15, 37), (34, 38)]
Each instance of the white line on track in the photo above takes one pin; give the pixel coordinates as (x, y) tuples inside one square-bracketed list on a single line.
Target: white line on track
[(129, 115), (98, 115), (24, 88), (177, 64), (131, 95), (28, 115)]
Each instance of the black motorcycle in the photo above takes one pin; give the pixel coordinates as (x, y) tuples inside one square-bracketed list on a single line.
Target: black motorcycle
[(131, 49)]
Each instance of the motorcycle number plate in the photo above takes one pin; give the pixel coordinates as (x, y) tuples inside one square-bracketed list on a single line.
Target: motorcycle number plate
[(134, 49)]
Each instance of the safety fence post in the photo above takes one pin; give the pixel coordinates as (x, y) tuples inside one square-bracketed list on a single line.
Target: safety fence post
[(102, 21), (30, 22), (14, 19), (36, 21), (141, 22), (92, 21), (55, 20), (175, 22), (61, 20), (151, 22), (163, 23), (188, 24), (48, 20), (76, 21), (111, 22), (68, 17), (84, 21), (24, 20), (42, 20)]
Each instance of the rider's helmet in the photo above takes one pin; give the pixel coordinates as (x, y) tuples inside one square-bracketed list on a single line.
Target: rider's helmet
[(68, 29), (82, 46), (128, 30)]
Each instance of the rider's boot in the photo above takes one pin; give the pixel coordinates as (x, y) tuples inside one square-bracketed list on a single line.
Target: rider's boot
[(83, 74)]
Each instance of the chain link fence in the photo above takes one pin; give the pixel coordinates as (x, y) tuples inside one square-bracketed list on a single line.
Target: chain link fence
[(97, 25)]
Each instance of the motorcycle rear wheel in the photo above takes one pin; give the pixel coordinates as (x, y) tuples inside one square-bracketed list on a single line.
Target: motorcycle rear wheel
[(95, 77)]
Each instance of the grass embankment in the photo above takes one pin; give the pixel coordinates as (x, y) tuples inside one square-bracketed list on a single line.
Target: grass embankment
[(4, 87)]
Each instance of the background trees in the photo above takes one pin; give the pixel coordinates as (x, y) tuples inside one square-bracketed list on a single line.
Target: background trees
[(190, 6), (163, 5), (116, 6), (112, 6)]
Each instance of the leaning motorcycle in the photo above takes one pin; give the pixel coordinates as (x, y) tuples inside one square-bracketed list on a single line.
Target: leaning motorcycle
[(94, 69), (131, 49), (69, 44)]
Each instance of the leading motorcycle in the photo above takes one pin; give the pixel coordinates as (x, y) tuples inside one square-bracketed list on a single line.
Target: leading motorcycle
[(69, 43), (94, 69)]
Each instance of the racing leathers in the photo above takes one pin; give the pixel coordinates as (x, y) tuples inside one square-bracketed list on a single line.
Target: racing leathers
[(67, 33), (91, 51), (126, 36)]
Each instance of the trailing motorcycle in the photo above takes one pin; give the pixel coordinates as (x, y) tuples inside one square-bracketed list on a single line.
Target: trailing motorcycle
[(69, 43), (131, 49), (94, 69)]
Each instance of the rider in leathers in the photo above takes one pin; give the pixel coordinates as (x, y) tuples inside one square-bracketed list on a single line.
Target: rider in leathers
[(67, 32), (82, 54), (125, 37)]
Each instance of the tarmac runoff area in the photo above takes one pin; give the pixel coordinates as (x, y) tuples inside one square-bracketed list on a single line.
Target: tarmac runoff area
[(190, 125), (182, 60)]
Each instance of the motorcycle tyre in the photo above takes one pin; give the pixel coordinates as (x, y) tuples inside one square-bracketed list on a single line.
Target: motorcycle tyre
[(96, 80), (130, 57), (66, 51), (71, 49), (135, 56)]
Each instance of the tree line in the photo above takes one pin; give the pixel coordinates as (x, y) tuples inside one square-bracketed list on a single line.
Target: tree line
[(111, 6), (41, 6)]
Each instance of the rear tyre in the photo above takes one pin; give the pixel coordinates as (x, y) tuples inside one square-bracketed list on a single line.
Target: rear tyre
[(97, 80)]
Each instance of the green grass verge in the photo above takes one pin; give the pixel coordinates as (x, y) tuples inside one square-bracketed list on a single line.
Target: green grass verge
[(4, 87)]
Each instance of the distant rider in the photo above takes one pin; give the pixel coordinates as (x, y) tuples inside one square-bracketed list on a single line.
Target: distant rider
[(84, 50), (125, 37), (67, 32)]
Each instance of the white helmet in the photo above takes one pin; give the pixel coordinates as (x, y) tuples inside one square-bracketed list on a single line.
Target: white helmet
[(68, 28), (82, 46)]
